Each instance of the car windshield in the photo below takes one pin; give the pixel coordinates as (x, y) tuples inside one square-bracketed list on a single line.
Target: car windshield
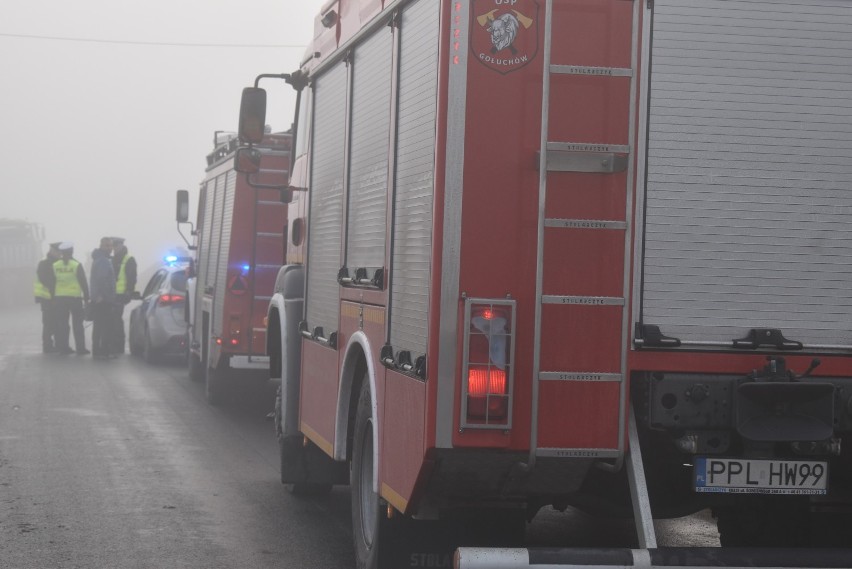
[(178, 281)]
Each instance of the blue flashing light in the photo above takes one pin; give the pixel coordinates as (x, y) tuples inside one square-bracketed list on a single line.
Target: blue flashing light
[(246, 269), (171, 259)]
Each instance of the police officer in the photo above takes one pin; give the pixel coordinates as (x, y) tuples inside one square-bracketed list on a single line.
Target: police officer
[(70, 292), (125, 283), (45, 281)]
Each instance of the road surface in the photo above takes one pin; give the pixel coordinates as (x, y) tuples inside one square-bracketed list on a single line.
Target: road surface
[(118, 464)]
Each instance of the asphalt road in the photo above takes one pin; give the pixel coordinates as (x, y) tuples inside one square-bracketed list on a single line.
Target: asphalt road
[(118, 464)]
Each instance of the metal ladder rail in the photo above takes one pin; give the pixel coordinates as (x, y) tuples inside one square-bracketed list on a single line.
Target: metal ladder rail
[(542, 200)]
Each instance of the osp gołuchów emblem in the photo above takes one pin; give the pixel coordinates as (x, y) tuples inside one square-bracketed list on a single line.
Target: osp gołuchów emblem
[(505, 33)]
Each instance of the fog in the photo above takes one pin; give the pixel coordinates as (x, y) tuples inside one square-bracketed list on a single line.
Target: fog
[(107, 108)]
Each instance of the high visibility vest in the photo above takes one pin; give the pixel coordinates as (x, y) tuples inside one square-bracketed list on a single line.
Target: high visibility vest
[(39, 290), (66, 278), (121, 277)]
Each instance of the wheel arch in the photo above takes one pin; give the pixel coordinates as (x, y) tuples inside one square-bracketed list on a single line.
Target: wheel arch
[(274, 334), (358, 359)]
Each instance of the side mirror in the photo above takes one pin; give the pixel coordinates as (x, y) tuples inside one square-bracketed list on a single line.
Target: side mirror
[(182, 210), (247, 160), (135, 295), (252, 115)]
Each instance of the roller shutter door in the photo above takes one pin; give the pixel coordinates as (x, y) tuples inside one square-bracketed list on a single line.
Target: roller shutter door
[(748, 203), (326, 195), (414, 180)]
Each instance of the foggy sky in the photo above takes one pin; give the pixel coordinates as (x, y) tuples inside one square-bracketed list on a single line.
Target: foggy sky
[(98, 135)]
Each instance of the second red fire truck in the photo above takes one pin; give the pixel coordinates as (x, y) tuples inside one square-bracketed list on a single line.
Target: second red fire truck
[(240, 241), (569, 252)]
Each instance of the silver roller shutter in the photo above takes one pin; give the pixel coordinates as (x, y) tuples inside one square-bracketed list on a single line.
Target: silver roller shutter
[(749, 170), (227, 186), (412, 232), (368, 170), (326, 195)]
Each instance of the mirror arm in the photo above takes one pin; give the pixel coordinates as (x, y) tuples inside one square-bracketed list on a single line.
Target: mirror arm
[(191, 232)]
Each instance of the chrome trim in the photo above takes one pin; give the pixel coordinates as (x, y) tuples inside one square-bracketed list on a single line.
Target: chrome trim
[(588, 147), (456, 97), (583, 300), (577, 452), (591, 71), (584, 224), (587, 376)]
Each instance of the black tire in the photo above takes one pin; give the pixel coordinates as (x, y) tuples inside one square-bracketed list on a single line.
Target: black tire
[(369, 525), (214, 385)]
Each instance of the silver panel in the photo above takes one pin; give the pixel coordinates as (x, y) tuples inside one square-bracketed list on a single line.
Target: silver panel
[(227, 186), (749, 162), (450, 256), (368, 156), (415, 177), (583, 300), (584, 224), (597, 162), (578, 452), (326, 195), (591, 71), (591, 376)]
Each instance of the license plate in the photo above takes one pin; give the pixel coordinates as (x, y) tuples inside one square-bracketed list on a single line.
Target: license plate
[(741, 476)]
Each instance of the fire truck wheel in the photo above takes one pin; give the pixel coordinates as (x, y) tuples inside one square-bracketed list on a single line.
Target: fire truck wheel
[(368, 525)]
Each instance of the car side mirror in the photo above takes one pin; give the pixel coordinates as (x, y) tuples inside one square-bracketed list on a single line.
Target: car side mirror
[(135, 295)]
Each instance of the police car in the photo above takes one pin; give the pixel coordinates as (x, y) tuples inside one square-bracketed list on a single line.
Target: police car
[(157, 328)]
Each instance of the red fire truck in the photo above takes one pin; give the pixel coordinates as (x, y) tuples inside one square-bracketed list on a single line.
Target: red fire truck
[(570, 252), (240, 233)]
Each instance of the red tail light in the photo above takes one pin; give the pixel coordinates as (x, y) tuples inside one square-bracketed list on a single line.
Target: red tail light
[(167, 299), (488, 364), (486, 393)]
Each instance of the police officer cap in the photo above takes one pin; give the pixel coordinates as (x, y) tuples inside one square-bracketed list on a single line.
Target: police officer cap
[(55, 245), (118, 240), (66, 246)]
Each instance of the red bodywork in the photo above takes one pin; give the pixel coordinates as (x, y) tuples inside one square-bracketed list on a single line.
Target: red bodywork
[(497, 250)]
